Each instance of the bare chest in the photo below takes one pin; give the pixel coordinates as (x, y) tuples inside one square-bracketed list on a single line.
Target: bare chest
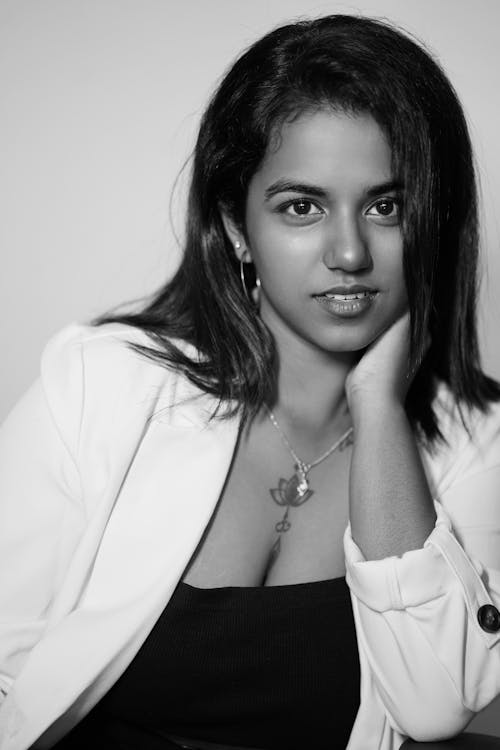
[(265, 532)]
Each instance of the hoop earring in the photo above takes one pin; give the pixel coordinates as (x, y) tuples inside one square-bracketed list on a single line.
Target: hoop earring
[(256, 292), (242, 276), (254, 295)]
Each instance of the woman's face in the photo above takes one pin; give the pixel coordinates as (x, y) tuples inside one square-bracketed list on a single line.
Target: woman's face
[(323, 229)]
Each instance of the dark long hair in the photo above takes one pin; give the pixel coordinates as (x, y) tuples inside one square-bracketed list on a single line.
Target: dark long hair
[(356, 65)]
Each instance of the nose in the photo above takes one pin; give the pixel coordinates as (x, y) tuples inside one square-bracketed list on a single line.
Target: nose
[(346, 247)]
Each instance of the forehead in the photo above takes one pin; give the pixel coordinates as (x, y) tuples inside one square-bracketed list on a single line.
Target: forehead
[(330, 149)]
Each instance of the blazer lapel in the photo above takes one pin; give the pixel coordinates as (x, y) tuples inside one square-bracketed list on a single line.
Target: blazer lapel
[(163, 508)]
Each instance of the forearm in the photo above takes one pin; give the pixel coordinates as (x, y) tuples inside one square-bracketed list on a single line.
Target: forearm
[(391, 508)]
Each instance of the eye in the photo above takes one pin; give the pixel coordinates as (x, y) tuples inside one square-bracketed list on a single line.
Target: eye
[(300, 209), (385, 211)]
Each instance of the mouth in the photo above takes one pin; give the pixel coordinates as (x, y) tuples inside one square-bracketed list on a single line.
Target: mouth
[(346, 296), (347, 302), (351, 291)]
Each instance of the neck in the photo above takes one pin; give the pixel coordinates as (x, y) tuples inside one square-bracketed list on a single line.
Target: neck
[(310, 394)]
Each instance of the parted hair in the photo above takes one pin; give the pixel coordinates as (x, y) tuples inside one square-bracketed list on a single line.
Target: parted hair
[(354, 65)]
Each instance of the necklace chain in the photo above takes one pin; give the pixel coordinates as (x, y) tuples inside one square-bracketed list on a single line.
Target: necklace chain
[(293, 492), (304, 467)]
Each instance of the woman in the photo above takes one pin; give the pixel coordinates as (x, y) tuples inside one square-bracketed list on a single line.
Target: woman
[(177, 486)]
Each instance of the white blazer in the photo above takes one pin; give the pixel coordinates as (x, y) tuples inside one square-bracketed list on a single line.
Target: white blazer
[(110, 472)]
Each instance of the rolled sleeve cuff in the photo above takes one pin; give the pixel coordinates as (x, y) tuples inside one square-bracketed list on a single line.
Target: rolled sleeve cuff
[(419, 576)]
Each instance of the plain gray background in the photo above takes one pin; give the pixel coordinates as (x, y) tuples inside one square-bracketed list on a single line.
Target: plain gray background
[(99, 105)]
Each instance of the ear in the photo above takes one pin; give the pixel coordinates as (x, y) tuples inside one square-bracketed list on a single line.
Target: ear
[(235, 235)]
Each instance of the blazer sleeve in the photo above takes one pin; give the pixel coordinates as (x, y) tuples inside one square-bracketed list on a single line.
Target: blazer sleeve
[(41, 513), (427, 622)]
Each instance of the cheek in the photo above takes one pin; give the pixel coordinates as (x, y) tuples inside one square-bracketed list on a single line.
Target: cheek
[(275, 246), (388, 271), (398, 288), (399, 272), (387, 259), (271, 252)]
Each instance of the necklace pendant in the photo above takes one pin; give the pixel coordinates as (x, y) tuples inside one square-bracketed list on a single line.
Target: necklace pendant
[(302, 484)]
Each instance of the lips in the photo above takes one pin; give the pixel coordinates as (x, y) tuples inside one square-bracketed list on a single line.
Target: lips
[(347, 297), (347, 301), (353, 292)]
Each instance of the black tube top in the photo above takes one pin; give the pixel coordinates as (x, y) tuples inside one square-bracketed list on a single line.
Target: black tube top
[(266, 667)]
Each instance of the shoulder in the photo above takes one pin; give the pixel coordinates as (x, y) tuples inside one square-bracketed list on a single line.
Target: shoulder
[(469, 448), (93, 376), (109, 348), (107, 343), (99, 356)]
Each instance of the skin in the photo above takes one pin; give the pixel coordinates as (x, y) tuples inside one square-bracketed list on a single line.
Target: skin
[(323, 210)]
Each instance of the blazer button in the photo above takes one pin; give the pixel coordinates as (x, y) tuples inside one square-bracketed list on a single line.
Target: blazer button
[(489, 618)]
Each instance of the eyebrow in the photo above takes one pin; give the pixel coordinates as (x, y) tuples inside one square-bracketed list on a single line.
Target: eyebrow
[(391, 186), (287, 186)]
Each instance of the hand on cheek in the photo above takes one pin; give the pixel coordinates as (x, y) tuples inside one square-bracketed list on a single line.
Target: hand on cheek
[(381, 376)]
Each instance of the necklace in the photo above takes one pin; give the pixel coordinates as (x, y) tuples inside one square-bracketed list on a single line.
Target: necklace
[(295, 491)]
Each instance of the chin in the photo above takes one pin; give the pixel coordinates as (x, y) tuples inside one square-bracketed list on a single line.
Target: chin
[(352, 340)]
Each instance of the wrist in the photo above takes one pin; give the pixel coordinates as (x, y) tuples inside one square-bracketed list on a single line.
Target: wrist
[(375, 407)]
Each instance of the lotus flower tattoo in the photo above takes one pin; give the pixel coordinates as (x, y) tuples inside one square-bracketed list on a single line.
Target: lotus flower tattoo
[(292, 492)]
